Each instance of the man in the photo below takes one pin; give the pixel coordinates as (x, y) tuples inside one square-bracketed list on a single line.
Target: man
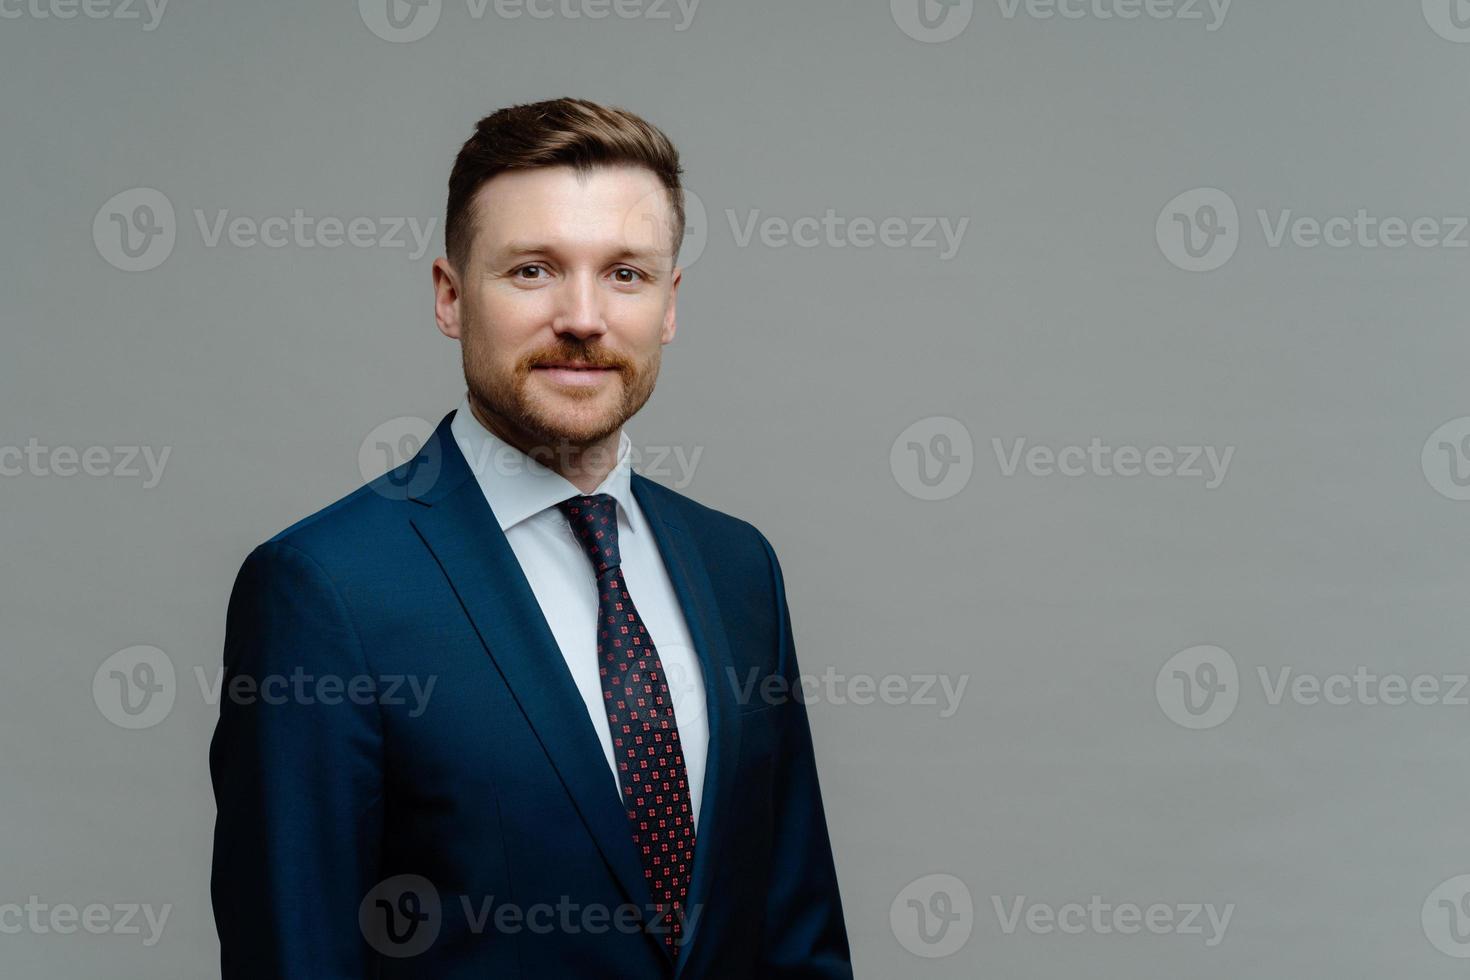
[(512, 710)]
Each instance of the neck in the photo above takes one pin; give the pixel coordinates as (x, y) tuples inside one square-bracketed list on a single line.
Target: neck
[(583, 466)]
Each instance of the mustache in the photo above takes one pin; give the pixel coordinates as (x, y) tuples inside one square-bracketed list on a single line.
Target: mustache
[(582, 358)]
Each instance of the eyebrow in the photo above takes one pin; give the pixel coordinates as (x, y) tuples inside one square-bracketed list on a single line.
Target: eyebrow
[(514, 249)]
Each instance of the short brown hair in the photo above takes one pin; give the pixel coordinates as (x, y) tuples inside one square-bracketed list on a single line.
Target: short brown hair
[(558, 132)]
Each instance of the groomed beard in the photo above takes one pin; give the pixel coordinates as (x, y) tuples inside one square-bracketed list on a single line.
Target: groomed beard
[(503, 394)]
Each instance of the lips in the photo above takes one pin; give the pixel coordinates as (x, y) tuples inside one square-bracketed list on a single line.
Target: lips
[(575, 374)]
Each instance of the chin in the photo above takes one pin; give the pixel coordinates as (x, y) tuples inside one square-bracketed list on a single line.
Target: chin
[(576, 427)]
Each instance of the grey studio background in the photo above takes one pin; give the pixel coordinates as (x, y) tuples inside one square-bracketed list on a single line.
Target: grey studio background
[(1203, 720)]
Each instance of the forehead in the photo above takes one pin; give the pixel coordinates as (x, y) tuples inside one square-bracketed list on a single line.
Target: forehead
[(615, 207)]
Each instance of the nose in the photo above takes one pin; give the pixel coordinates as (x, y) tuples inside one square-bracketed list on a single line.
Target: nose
[(579, 307)]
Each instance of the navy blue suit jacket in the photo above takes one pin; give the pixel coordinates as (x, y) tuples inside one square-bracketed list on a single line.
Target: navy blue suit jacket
[(492, 793)]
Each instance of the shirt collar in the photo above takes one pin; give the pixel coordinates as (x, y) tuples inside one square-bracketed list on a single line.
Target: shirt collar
[(518, 487)]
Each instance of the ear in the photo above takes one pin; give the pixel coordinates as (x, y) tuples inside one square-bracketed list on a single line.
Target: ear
[(670, 320), (446, 298)]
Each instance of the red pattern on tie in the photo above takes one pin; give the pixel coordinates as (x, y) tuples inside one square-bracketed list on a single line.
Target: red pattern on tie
[(640, 716)]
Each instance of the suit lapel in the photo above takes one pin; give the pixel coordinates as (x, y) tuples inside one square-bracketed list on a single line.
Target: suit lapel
[(464, 535), (687, 570)]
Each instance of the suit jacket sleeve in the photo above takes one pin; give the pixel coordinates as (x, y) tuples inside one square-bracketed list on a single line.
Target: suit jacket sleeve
[(804, 935), (297, 780)]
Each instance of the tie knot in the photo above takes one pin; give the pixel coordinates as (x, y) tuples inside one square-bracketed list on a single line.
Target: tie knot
[(594, 522)]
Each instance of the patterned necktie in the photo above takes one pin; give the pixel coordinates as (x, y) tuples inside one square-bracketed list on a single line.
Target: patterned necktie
[(640, 716)]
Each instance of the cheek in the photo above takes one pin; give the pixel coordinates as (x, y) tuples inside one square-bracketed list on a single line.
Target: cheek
[(508, 314), (640, 318)]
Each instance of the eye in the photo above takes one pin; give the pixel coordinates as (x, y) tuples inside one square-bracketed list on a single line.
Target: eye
[(531, 272), (633, 275)]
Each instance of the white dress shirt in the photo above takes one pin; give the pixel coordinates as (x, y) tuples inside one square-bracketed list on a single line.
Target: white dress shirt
[(524, 494)]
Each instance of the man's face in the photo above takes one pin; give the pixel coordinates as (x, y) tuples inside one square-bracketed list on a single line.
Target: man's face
[(565, 301)]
